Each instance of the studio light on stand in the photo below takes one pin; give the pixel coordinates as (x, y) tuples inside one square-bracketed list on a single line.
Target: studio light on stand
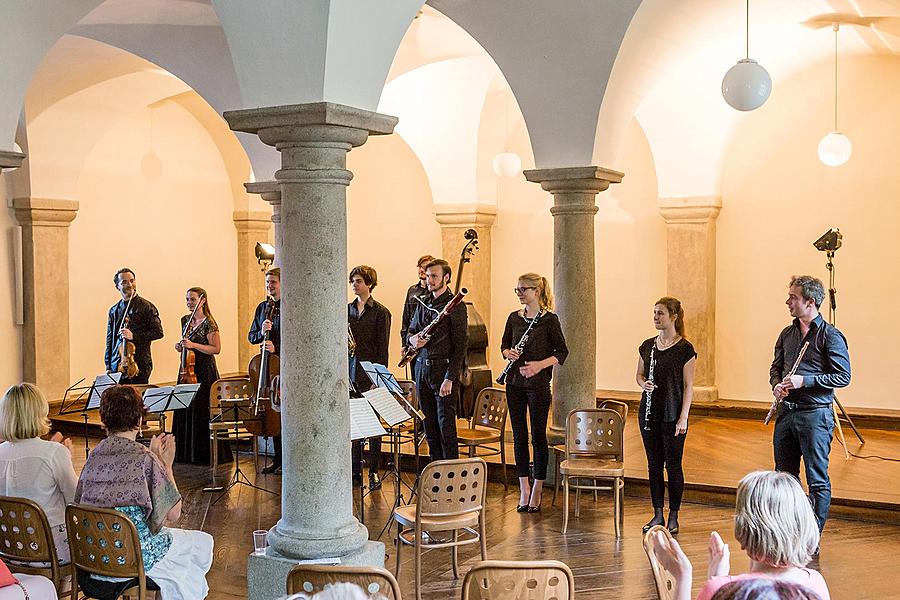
[(835, 148), (747, 85), (265, 254)]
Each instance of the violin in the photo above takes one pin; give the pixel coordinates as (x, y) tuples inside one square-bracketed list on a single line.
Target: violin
[(186, 372), (127, 365), (264, 369)]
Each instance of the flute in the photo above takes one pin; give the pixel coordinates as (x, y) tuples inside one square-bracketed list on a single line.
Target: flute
[(793, 370), (518, 348)]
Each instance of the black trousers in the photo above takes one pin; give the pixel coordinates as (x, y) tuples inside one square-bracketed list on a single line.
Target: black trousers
[(536, 402), (664, 451), (373, 456), (440, 411), (806, 434)]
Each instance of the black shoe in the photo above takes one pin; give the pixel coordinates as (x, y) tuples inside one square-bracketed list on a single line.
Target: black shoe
[(521, 508), (653, 521), (672, 525), (534, 509), (374, 482), (270, 468)]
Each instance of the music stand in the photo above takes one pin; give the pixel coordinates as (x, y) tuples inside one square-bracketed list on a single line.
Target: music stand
[(87, 398), (241, 411), (174, 397)]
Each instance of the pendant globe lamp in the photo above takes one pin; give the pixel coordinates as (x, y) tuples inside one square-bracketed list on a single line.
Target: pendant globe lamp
[(835, 148), (747, 85), (507, 164)]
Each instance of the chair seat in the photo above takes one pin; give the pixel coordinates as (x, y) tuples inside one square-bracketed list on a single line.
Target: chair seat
[(592, 467), (467, 435), (406, 516), (227, 426)]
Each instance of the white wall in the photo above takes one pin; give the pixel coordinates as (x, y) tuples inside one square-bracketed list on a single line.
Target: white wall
[(11, 333)]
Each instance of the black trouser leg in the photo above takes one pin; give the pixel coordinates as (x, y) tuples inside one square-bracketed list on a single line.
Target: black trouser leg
[(276, 444), (517, 403), (440, 413), (539, 411), (673, 451), (807, 434), (653, 446)]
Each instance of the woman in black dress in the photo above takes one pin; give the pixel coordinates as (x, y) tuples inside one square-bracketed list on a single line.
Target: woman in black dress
[(528, 381), (191, 425), (665, 373)]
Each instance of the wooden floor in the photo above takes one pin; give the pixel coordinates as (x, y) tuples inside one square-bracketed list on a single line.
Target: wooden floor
[(856, 559)]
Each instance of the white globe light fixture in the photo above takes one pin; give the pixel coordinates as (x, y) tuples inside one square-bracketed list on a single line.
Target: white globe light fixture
[(507, 164), (747, 85), (835, 148)]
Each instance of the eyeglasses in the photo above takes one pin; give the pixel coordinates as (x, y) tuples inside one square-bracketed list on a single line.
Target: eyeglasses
[(521, 290)]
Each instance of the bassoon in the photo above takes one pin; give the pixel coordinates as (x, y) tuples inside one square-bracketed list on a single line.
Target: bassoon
[(409, 352)]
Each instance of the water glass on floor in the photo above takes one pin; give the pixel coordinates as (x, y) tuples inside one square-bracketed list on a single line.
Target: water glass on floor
[(259, 542)]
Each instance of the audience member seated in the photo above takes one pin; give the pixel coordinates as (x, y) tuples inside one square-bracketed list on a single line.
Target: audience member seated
[(774, 525), (123, 474), (762, 588), (32, 468), (16, 587)]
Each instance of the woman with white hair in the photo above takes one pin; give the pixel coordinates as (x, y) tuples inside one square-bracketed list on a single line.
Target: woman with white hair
[(775, 526)]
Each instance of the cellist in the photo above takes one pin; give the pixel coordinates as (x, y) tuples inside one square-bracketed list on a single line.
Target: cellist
[(140, 326), (258, 330)]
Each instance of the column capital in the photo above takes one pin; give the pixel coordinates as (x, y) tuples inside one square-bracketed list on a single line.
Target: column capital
[(45, 212), (10, 159), (696, 209), (270, 191), (574, 179), (468, 214), (251, 220)]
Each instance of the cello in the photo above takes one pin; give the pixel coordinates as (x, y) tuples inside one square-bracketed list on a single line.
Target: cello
[(264, 369), (186, 372)]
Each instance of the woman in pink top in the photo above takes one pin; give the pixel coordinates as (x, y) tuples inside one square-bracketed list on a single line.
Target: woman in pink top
[(775, 526)]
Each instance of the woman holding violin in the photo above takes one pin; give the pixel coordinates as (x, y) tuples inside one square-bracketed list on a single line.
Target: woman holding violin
[(200, 342)]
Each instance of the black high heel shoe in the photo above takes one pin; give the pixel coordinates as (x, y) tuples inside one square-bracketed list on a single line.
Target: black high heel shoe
[(520, 508), (656, 520), (672, 524)]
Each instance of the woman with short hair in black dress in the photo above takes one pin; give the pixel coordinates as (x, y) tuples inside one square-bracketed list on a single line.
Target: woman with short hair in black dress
[(528, 380), (665, 373)]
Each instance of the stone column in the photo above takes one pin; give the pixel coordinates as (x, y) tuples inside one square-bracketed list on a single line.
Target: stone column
[(45, 274), (316, 495), (691, 276), (455, 219), (270, 191), (574, 192), (252, 227)]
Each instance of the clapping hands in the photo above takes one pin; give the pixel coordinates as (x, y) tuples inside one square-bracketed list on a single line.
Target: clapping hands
[(719, 556), (59, 439), (163, 446)]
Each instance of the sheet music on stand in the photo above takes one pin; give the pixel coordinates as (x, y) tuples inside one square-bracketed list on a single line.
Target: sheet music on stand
[(386, 406), (364, 423), (87, 397), (381, 377), (101, 382), (162, 399)]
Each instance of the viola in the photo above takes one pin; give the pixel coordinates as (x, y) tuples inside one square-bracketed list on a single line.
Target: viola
[(264, 369)]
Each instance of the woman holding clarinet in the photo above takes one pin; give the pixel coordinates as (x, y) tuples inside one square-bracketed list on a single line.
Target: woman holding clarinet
[(532, 343)]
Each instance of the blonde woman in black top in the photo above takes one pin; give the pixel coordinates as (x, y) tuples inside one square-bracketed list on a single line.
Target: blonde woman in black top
[(665, 373), (528, 381)]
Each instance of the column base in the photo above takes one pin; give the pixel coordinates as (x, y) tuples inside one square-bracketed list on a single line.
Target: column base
[(301, 544), (706, 393), (267, 574)]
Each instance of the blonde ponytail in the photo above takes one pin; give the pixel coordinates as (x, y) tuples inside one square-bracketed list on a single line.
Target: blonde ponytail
[(542, 286)]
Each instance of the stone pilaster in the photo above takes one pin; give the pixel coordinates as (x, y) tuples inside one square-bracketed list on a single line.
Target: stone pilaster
[(316, 495), (10, 159), (691, 276), (252, 227), (270, 191), (574, 192), (455, 219), (45, 275)]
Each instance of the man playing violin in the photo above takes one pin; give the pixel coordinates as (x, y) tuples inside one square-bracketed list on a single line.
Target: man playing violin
[(139, 327), (258, 330)]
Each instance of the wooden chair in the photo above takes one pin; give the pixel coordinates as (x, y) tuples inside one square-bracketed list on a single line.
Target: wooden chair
[(26, 542), (450, 499), (105, 542), (310, 579), (519, 579), (222, 422), (490, 413), (594, 451), (665, 581), (560, 449)]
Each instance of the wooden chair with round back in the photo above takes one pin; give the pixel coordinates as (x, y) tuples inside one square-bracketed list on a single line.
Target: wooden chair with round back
[(490, 414), (311, 579), (222, 422), (665, 581), (519, 579), (26, 542)]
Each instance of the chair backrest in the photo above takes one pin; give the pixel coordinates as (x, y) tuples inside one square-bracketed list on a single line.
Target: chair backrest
[(409, 390), (594, 432), (104, 541), (490, 409), (228, 388), (311, 579), (522, 580), (26, 537), (616, 405), (665, 581), (452, 487)]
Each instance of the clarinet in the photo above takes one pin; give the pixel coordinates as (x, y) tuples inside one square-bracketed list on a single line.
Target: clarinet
[(648, 394), (518, 348)]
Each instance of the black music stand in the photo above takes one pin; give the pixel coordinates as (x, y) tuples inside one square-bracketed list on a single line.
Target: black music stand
[(364, 424), (174, 397), (241, 411), (81, 399)]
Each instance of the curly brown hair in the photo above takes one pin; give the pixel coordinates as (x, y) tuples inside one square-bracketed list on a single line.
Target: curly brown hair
[(121, 408)]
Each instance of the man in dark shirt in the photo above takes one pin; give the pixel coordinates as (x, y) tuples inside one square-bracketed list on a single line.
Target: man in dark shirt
[(440, 361), (370, 324), (142, 327), (257, 334), (417, 290), (805, 417)]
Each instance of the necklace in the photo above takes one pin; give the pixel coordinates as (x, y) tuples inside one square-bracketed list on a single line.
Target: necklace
[(662, 344)]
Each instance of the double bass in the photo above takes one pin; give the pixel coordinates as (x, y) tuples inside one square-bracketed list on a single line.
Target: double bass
[(264, 372), (476, 373)]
